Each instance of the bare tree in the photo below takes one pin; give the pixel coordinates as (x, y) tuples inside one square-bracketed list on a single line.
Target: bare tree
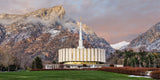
[(8, 60), (1, 52), (21, 60), (18, 60), (26, 61)]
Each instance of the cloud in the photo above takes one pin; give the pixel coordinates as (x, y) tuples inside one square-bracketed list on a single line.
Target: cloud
[(115, 20)]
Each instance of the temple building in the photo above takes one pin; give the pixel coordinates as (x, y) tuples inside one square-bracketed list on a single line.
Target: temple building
[(77, 57)]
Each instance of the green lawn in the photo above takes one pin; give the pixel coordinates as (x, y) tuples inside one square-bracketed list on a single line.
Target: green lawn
[(65, 75)]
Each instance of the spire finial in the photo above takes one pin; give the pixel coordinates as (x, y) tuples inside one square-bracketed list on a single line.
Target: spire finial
[(80, 19)]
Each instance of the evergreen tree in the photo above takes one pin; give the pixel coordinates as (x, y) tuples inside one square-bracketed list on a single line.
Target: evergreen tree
[(142, 55), (37, 63), (54, 62), (151, 60)]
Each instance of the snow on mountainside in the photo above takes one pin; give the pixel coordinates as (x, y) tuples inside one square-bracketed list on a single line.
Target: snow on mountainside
[(148, 41), (120, 45)]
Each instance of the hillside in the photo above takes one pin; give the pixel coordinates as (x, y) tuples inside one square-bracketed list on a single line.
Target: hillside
[(44, 31), (148, 41)]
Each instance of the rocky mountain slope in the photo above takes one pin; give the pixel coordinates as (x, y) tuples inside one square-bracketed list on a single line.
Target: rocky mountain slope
[(148, 41), (44, 31)]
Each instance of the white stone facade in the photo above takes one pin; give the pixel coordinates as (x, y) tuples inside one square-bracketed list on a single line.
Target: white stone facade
[(81, 55)]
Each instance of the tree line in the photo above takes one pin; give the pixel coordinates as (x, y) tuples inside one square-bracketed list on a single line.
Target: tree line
[(141, 59), (135, 59), (15, 62)]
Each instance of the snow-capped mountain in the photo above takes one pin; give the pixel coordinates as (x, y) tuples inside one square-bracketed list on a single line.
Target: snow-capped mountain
[(120, 45)]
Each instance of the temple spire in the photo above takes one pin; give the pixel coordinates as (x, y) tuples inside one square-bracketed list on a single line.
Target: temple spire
[(80, 36)]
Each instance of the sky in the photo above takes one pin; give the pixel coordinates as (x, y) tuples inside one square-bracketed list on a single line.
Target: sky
[(114, 20)]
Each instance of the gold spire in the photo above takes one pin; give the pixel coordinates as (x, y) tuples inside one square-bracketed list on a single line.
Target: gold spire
[(80, 19)]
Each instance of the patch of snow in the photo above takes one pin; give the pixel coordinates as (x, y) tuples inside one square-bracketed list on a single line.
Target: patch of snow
[(53, 32), (8, 33), (24, 28), (120, 45), (21, 36), (17, 37), (138, 46), (5, 41), (71, 27), (154, 45), (123, 47), (63, 38), (139, 76), (148, 73)]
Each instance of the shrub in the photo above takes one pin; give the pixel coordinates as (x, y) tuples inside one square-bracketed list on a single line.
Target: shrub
[(155, 74), (12, 67), (28, 69), (111, 65)]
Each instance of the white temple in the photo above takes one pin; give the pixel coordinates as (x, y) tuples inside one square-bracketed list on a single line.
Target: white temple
[(81, 55)]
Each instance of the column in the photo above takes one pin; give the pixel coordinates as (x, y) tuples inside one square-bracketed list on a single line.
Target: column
[(77, 54), (67, 52), (99, 55), (92, 54), (81, 54), (63, 55), (70, 56), (74, 55), (96, 57), (84, 55), (104, 52), (60, 55), (89, 54)]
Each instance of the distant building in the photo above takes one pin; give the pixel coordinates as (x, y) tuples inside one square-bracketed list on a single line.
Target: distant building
[(118, 65)]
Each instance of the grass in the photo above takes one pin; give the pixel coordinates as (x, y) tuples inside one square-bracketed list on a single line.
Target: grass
[(65, 75)]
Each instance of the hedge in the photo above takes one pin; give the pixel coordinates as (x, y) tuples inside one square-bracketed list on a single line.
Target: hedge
[(155, 74), (128, 70)]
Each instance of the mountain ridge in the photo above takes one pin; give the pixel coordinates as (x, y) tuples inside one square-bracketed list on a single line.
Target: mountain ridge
[(44, 34), (147, 41)]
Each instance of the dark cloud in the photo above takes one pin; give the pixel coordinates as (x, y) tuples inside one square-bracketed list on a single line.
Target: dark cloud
[(115, 20)]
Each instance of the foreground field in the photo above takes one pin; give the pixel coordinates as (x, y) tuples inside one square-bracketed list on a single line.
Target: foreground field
[(65, 75)]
